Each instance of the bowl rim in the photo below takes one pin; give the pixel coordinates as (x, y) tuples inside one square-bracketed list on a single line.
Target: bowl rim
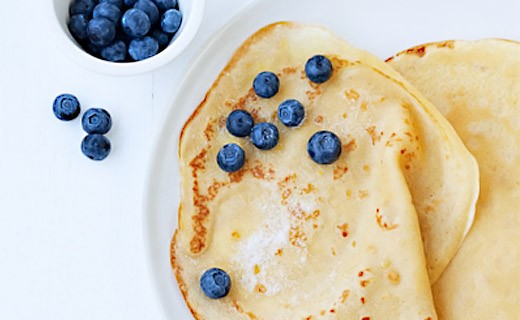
[(189, 28)]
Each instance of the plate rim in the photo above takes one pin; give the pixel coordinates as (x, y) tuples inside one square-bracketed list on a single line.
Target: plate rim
[(160, 136)]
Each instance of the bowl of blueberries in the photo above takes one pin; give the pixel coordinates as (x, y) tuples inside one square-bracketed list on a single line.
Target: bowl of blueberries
[(125, 37)]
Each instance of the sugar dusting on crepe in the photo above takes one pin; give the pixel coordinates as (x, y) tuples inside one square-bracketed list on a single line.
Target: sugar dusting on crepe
[(257, 250)]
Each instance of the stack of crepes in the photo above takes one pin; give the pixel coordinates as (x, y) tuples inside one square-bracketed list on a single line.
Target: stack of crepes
[(476, 86), (380, 233)]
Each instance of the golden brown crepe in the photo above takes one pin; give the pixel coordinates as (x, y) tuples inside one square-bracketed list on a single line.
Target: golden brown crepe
[(476, 85), (305, 241)]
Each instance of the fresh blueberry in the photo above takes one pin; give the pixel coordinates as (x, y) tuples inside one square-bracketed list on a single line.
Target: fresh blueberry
[(78, 26), (239, 123), (135, 23), (143, 48), (324, 147), (291, 112), (82, 7), (107, 11), (264, 135), (164, 5), (149, 8), (101, 31), (96, 120), (171, 20), (231, 157), (114, 52), (118, 3), (318, 69), (215, 283), (95, 146), (66, 107), (129, 3), (161, 37), (266, 84)]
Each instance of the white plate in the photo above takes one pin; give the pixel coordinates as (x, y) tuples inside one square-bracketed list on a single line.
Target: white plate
[(383, 27)]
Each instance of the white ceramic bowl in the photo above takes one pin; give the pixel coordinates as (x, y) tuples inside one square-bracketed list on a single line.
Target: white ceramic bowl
[(192, 13)]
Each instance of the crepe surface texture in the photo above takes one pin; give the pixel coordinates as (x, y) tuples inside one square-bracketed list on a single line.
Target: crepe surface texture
[(476, 85), (307, 241)]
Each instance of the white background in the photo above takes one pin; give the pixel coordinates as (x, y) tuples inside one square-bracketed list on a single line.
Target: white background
[(71, 241)]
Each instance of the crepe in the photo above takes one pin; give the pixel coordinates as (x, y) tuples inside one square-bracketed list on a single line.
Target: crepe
[(476, 86), (306, 241)]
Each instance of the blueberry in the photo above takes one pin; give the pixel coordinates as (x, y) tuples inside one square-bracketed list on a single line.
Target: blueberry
[(143, 48), (291, 112), (130, 3), (231, 157), (107, 11), (239, 123), (165, 4), (135, 23), (264, 135), (95, 146), (266, 84), (215, 283), (318, 69), (324, 147), (78, 26), (114, 52), (149, 8), (82, 7), (161, 37), (101, 31), (66, 107), (171, 20), (96, 120), (118, 3)]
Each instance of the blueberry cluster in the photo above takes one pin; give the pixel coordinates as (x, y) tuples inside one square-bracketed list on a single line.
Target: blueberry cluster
[(96, 122), (124, 30), (324, 147)]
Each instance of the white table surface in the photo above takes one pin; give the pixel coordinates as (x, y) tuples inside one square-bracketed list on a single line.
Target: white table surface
[(71, 241)]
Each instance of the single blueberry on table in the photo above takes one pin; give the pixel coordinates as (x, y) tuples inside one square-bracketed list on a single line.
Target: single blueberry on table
[(231, 157), (264, 135), (107, 11), (96, 120), (266, 84), (324, 147), (164, 5), (171, 20), (149, 8), (115, 51), (95, 146), (135, 23), (143, 48), (66, 107), (101, 31), (118, 3), (318, 69), (215, 283), (78, 26), (82, 7), (239, 123), (291, 112), (162, 38)]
